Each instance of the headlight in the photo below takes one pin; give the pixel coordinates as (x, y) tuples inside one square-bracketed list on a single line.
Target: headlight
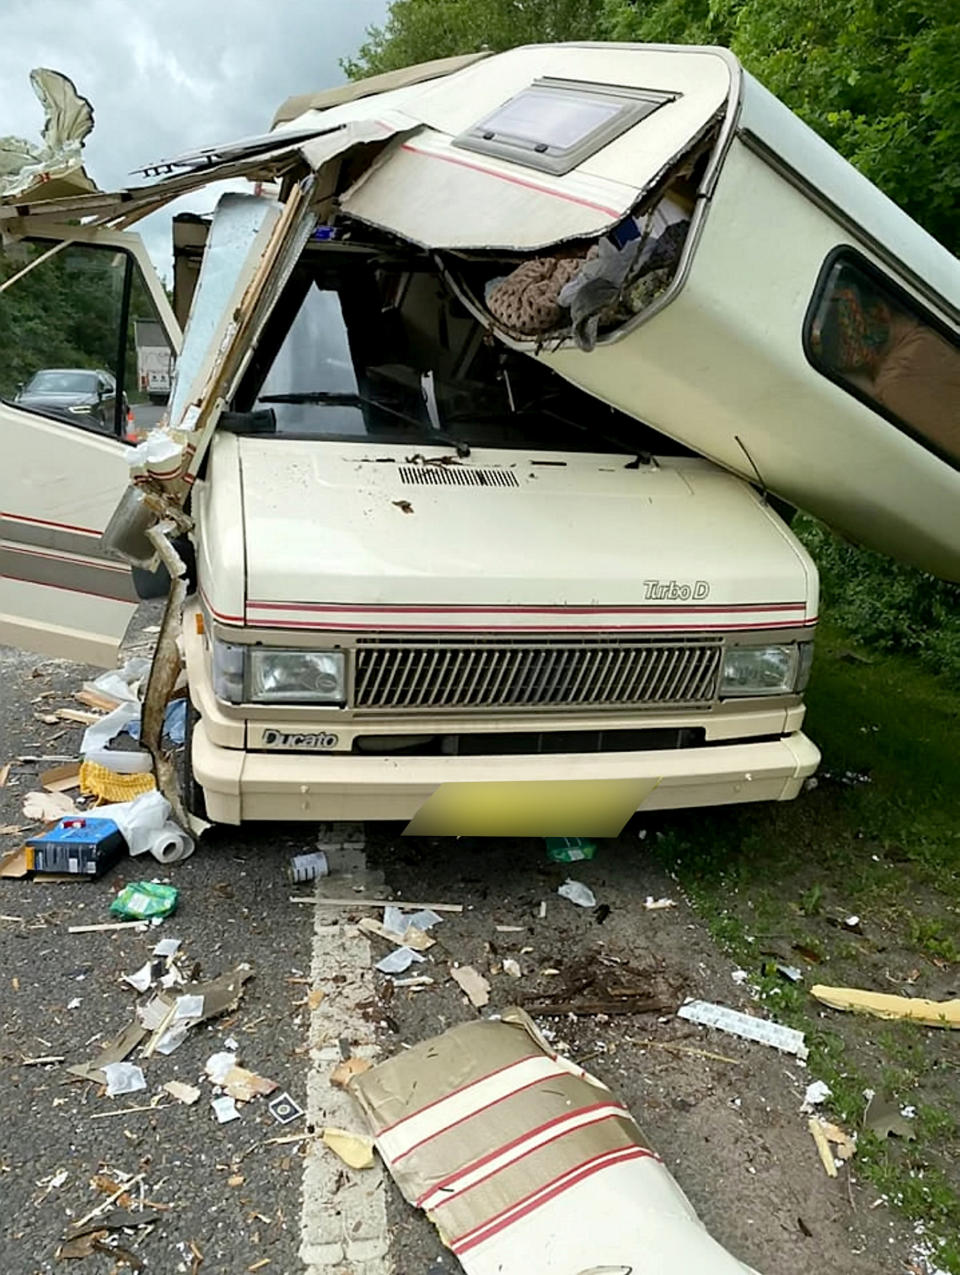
[(265, 675), (81, 407), (764, 670), (295, 677)]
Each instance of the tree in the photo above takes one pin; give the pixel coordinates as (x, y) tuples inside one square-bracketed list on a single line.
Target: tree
[(877, 78), (419, 30)]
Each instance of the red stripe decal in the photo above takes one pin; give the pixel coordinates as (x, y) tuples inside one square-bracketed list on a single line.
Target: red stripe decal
[(453, 1092), (66, 588), (536, 1199), (509, 608), (494, 1102), (516, 181), (78, 560), (567, 1116), (339, 627), (45, 522), (219, 615)]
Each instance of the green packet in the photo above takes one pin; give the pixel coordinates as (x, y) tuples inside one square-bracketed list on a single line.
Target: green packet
[(569, 849), (143, 900)]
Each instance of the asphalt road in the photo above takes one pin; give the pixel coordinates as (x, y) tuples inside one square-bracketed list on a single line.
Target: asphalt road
[(731, 1131)]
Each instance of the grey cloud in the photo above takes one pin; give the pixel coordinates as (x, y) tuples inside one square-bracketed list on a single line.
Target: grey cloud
[(165, 76)]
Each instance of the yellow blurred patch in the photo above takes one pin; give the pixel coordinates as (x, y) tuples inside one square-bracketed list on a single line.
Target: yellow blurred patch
[(531, 808)]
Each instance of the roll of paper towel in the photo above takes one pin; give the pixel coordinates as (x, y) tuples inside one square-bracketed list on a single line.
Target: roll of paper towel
[(171, 844)]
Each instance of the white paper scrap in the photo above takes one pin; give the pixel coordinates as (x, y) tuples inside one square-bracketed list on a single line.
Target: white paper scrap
[(167, 947), (141, 979), (761, 1030), (577, 893), (400, 959), (217, 1066), (123, 1077), (173, 1038), (817, 1092), (189, 1007), (225, 1109)]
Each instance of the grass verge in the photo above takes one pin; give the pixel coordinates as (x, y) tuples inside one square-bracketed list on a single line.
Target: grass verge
[(878, 838)]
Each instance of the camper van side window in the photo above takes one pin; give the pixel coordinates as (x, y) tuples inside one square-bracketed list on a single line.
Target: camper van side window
[(877, 342)]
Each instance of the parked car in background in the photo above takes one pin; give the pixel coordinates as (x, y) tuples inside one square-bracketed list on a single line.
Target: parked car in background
[(82, 395)]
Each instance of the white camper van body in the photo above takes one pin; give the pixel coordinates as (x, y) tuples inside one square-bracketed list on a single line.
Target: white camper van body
[(478, 603)]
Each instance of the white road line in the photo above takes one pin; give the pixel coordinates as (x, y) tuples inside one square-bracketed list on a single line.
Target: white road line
[(344, 1220)]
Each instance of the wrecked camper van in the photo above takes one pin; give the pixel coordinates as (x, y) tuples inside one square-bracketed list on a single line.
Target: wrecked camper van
[(483, 405)]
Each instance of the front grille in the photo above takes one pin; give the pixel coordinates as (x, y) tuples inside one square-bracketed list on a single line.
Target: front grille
[(424, 674)]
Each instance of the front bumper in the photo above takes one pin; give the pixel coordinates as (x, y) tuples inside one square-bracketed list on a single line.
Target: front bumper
[(241, 786)]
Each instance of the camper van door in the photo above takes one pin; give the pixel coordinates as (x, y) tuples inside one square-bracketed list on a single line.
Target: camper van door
[(65, 462)]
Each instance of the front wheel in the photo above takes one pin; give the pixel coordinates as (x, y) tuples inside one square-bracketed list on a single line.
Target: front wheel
[(193, 799)]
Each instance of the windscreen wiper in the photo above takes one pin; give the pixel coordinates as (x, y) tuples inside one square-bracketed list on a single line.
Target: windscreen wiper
[(331, 398)]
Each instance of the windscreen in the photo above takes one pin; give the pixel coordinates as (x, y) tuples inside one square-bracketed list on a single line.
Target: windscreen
[(366, 349)]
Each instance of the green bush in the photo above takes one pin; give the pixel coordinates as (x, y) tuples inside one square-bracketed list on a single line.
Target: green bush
[(883, 604)]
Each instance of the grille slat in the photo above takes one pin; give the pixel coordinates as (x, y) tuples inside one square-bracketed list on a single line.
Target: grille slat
[(414, 674)]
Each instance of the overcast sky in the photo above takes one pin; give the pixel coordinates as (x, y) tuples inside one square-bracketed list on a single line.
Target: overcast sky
[(165, 76)]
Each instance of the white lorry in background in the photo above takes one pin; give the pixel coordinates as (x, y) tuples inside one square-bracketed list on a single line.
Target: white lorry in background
[(465, 486), (155, 360)]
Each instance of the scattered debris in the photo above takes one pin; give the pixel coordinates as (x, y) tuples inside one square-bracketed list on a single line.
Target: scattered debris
[(569, 849), (823, 1146), (17, 864), (658, 905), (884, 1005), (61, 778), (187, 1094), (397, 961), (308, 867), (885, 1117), (403, 505), (218, 1066), (245, 1085), (602, 984), (47, 807), (511, 967), (413, 937), (115, 1050), (284, 1109), (472, 984), (792, 973), (358, 901), (103, 926), (145, 900), (846, 1143), (345, 1071), (123, 1077), (225, 1109), (399, 922), (577, 893), (787, 1039), (78, 846), (5, 773), (110, 785), (445, 1079), (353, 1149), (817, 1092)]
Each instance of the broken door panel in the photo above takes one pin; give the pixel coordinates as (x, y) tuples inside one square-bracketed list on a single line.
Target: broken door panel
[(67, 377), (239, 233)]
